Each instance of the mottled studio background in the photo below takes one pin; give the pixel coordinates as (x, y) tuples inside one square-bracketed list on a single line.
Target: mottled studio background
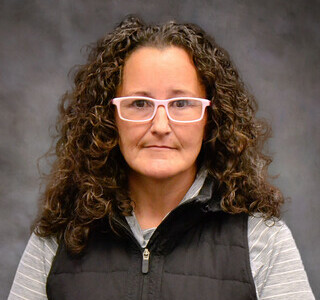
[(275, 44)]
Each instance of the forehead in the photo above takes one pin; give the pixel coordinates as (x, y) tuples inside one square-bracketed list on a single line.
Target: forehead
[(155, 70)]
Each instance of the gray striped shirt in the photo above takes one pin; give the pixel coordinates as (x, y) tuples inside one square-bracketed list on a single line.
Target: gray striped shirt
[(276, 265)]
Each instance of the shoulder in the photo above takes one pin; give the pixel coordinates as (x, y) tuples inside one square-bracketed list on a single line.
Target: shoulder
[(33, 269), (41, 248), (267, 232), (46, 243), (265, 239), (275, 260)]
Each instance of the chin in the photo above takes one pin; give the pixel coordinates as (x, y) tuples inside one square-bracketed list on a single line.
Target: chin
[(162, 171), (160, 175)]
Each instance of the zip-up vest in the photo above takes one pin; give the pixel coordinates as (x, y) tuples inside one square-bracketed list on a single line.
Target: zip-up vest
[(197, 253)]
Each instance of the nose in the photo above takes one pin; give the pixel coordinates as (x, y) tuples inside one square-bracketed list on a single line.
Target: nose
[(160, 122)]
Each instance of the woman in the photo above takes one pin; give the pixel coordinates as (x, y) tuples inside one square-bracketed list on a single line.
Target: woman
[(160, 190)]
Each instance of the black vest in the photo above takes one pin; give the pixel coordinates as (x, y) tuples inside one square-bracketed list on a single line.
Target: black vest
[(197, 253)]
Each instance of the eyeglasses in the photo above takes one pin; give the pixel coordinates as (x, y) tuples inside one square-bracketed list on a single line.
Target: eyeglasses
[(142, 109)]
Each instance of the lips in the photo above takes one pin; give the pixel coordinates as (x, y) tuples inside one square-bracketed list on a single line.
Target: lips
[(160, 147)]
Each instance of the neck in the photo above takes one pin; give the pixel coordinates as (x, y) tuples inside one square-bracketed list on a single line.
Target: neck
[(155, 198)]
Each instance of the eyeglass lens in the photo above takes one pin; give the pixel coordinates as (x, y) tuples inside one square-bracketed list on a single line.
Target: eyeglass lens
[(183, 109)]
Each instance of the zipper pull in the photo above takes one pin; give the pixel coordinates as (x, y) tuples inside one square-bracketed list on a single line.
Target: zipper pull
[(145, 261)]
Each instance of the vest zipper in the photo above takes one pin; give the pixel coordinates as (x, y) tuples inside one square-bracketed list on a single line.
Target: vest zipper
[(145, 253), (145, 261)]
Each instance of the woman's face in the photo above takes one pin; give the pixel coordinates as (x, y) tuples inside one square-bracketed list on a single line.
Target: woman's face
[(160, 148)]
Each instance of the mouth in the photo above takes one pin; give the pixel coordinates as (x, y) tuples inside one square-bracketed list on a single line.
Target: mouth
[(160, 147)]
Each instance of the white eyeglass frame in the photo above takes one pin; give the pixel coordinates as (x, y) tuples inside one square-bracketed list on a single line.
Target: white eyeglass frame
[(164, 103)]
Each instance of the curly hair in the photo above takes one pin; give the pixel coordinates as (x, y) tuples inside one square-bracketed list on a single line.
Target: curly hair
[(88, 181)]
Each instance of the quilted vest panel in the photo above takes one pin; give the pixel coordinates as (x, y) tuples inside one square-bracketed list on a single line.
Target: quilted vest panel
[(205, 259)]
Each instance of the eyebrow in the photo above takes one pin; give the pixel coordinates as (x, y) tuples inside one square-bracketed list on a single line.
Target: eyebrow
[(140, 93), (173, 93), (182, 92)]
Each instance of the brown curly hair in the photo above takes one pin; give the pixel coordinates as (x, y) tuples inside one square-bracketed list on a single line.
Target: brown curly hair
[(88, 181)]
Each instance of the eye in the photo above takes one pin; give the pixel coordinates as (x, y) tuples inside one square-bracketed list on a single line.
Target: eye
[(181, 103), (141, 103)]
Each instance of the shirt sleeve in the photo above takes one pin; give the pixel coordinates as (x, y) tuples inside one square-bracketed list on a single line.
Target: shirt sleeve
[(35, 264), (277, 268)]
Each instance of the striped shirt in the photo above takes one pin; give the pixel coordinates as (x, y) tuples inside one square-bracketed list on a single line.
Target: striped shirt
[(276, 265)]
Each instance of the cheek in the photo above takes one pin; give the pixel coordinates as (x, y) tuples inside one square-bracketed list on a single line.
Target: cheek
[(191, 138), (200, 135), (130, 136), (125, 138), (123, 135)]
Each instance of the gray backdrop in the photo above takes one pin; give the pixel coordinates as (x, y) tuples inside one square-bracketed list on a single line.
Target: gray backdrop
[(275, 45)]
